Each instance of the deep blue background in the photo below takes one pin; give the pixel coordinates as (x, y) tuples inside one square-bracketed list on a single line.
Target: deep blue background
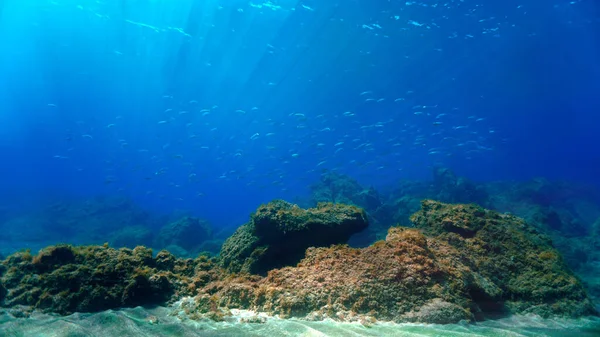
[(74, 69)]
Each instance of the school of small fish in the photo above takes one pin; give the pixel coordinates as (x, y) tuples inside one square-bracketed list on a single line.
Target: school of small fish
[(184, 142)]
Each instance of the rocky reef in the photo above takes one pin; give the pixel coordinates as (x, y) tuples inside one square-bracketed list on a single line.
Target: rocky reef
[(66, 279), (513, 266), (566, 212), (396, 205), (279, 233), (459, 262)]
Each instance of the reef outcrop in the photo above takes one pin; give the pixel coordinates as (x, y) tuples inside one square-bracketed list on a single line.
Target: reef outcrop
[(65, 279), (279, 233), (395, 206), (525, 273), (459, 262)]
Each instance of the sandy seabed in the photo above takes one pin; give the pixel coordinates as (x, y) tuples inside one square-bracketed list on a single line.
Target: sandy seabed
[(161, 321)]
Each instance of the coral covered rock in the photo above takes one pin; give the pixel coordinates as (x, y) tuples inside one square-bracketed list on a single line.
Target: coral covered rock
[(398, 279), (526, 273), (279, 233), (397, 205), (463, 262), (66, 279), (340, 188)]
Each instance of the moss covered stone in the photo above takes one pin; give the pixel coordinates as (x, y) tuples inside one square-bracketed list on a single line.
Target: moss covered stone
[(279, 233), (66, 279), (515, 267)]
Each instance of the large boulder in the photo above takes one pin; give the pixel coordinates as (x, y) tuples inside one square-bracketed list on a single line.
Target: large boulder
[(505, 254), (340, 188), (462, 262), (65, 279), (280, 232)]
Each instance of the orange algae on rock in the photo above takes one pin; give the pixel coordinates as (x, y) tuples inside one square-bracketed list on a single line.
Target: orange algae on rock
[(385, 281)]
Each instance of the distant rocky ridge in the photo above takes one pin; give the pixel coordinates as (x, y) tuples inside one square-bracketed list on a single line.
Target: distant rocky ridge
[(459, 262), (117, 221)]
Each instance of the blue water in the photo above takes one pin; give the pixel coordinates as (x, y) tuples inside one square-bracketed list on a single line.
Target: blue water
[(127, 114), (214, 107)]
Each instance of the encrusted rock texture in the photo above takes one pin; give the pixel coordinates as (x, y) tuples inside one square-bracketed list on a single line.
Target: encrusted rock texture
[(279, 233), (66, 279), (460, 262)]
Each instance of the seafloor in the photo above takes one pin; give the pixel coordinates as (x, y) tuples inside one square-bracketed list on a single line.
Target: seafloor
[(161, 322)]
